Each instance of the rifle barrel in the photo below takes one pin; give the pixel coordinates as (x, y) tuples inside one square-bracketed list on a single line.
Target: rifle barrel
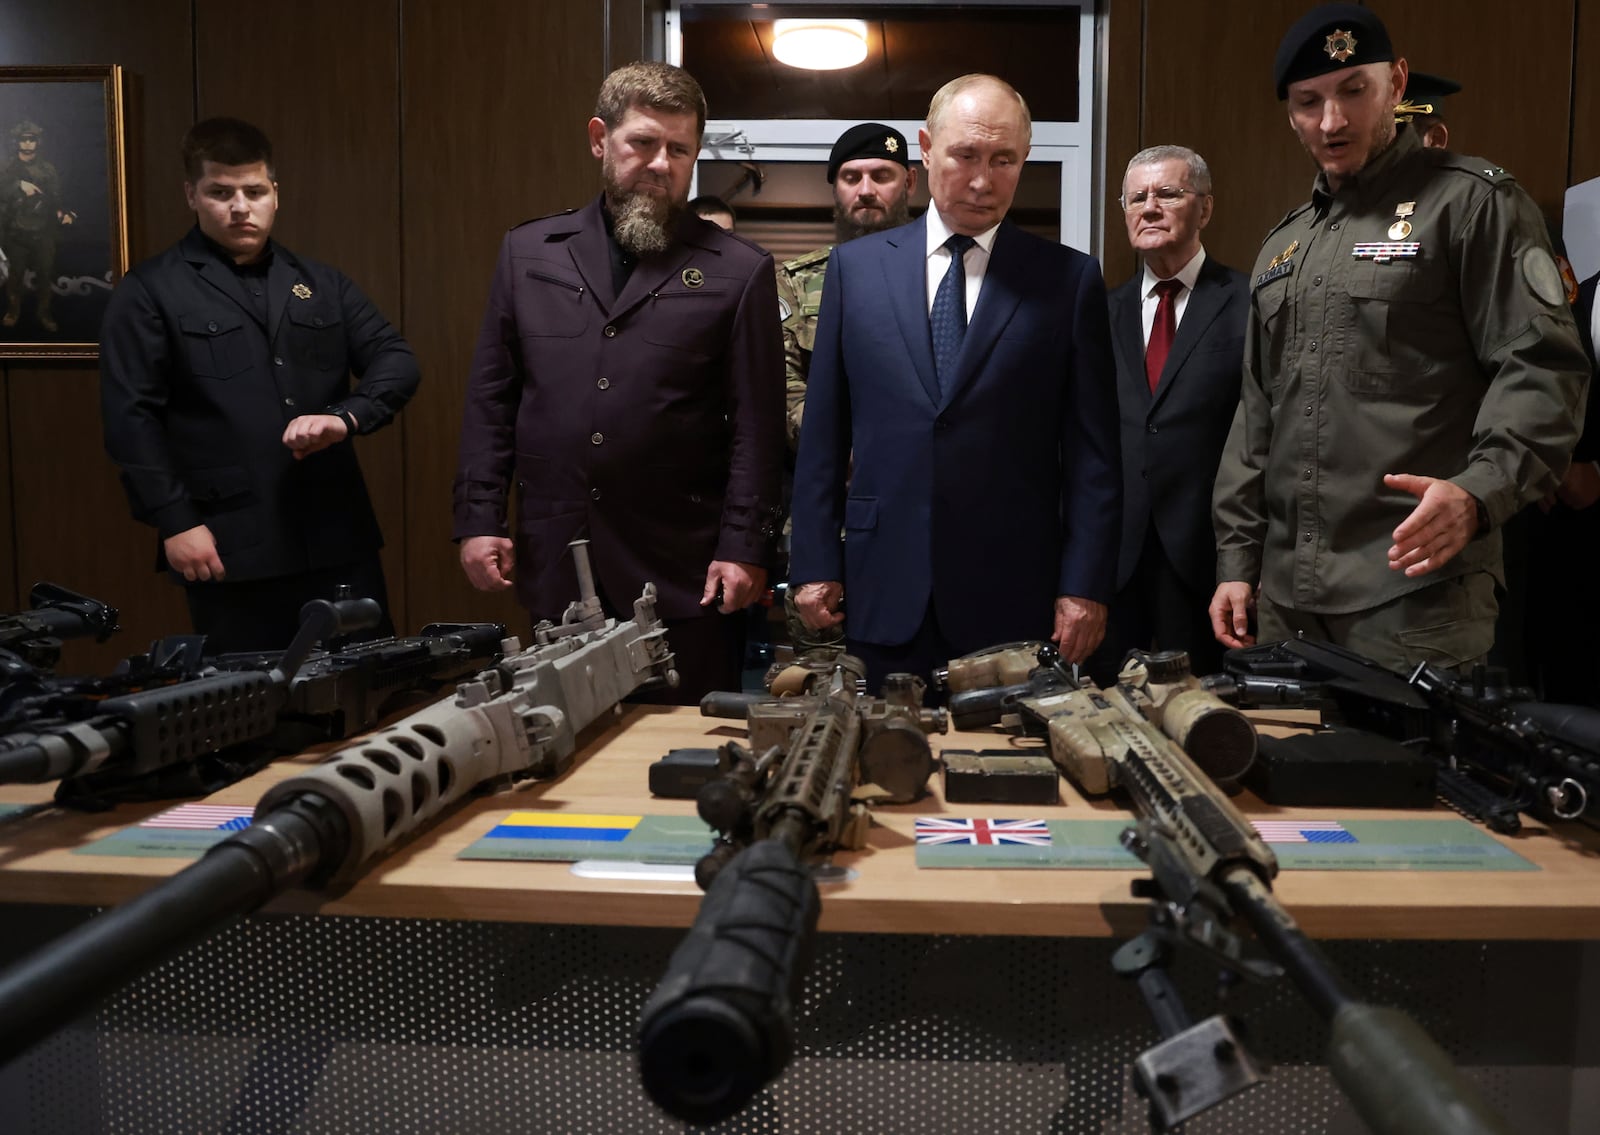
[(50, 987), (720, 1024)]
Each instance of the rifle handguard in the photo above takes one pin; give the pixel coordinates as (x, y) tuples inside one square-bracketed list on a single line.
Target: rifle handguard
[(720, 1025)]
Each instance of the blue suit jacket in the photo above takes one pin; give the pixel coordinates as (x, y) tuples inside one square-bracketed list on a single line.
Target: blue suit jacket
[(990, 501)]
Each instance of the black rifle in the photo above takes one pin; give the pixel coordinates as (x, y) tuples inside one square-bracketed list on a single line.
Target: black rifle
[(1500, 752), (127, 744), (516, 720), (1210, 869), (719, 1024), (35, 635)]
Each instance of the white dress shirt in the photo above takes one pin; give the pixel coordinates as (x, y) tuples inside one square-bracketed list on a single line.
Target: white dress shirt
[(1186, 276), (976, 261)]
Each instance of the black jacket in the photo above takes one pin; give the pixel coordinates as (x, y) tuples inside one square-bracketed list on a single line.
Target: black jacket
[(195, 393)]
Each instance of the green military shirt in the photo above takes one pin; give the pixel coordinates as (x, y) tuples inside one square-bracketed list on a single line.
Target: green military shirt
[(1412, 322), (799, 301)]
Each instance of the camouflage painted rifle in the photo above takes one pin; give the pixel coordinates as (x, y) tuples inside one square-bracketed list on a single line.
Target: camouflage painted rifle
[(1209, 870)]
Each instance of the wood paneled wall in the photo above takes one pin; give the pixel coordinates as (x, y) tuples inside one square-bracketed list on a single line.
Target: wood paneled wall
[(411, 134)]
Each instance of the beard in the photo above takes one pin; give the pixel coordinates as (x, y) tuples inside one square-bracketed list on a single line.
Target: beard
[(847, 226), (644, 223)]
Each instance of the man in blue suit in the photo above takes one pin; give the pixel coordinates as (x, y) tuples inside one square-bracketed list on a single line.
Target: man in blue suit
[(967, 366)]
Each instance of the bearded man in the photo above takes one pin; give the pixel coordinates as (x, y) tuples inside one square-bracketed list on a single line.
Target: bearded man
[(624, 380)]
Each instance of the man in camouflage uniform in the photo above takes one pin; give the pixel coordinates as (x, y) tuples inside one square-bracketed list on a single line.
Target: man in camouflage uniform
[(1412, 377), (30, 218), (872, 179)]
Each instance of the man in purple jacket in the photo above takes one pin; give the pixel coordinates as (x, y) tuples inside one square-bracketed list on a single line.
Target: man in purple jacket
[(629, 379)]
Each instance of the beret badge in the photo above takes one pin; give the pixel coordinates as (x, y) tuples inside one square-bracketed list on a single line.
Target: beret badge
[(1340, 45)]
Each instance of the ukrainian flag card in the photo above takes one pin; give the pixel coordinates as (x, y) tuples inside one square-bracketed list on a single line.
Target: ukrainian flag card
[(563, 836)]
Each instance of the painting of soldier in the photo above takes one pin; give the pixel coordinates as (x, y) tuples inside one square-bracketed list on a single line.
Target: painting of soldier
[(63, 243)]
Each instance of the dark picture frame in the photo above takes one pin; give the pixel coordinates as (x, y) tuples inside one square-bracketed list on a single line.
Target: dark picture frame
[(63, 207)]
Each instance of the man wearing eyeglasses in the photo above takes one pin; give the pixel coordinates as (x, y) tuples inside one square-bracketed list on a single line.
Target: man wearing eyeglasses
[(1412, 377), (1177, 328)]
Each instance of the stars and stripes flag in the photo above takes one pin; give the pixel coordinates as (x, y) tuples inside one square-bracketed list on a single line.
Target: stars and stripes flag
[(937, 829), (1303, 831), (202, 817)]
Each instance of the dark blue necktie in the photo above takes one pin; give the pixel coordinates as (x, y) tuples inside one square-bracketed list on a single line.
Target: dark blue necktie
[(948, 319)]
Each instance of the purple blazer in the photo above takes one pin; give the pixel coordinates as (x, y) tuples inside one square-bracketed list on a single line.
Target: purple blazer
[(650, 422)]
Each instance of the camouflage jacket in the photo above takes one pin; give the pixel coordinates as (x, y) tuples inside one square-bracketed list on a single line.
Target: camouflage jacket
[(799, 300)]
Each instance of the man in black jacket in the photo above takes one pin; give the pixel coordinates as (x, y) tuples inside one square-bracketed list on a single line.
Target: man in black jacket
[(225, 395)]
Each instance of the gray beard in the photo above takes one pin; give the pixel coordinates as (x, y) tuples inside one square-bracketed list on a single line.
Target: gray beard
[(846, 228), (644, 225)]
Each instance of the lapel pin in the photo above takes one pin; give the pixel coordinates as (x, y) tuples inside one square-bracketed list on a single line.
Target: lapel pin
[(301, 291), (693, 277)]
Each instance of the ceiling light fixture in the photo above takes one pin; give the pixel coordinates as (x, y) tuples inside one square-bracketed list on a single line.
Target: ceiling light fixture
[(820, 45)]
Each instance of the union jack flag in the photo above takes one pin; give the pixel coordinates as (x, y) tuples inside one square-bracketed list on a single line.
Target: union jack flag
[(937, 829)]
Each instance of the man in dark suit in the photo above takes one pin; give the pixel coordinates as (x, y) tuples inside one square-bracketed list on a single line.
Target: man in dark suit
[(1178, 331), (629, 377), (968, 365), (1563, 603), (225, 396)]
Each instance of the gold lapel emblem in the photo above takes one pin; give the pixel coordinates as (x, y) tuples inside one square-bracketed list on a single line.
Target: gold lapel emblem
[(1283, 256), (1341, 45), (892, 144), (301, 291), (693, 277), (1400, 230)]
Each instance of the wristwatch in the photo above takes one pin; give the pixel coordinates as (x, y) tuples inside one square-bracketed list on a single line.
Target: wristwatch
[(347, 418)]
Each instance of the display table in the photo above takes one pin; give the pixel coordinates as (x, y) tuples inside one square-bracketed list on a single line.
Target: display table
[(297, 1021)]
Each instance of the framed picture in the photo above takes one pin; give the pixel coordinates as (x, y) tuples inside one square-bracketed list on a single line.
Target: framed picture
[(63, 208)]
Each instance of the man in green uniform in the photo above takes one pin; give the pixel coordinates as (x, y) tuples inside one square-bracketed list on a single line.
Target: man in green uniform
[(30, 218), (872, 179), (1412, 376)]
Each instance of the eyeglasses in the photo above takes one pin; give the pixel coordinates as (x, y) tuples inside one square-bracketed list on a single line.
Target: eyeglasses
[(1166, 196)]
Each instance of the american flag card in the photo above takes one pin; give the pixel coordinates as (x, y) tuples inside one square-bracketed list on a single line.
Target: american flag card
[(202, 817), (938, 829), (1303, 831)]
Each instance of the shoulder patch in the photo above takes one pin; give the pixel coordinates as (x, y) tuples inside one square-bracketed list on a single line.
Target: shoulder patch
[(1543, 276), (810, 259), (546, 217)]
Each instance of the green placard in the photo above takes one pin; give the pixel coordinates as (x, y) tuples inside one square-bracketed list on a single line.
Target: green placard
[(1358, 845)]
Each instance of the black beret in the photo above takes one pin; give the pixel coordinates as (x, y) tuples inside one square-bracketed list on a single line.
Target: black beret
[(1422, 87), (1328, 38), (868, 140)]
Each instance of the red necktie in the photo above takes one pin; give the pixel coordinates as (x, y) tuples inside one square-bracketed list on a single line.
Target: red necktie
[(1161, 331)]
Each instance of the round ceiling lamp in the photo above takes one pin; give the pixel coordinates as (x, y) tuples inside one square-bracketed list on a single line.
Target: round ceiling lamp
[(820, 45)]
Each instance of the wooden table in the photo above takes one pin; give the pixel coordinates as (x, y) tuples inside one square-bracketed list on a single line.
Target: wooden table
[(424, 879)]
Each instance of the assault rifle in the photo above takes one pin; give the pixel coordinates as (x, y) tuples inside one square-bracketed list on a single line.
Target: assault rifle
[(1500, 752), (202, 724), (1210, 869), (515, 721), (720, 1023), (55, 613)]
